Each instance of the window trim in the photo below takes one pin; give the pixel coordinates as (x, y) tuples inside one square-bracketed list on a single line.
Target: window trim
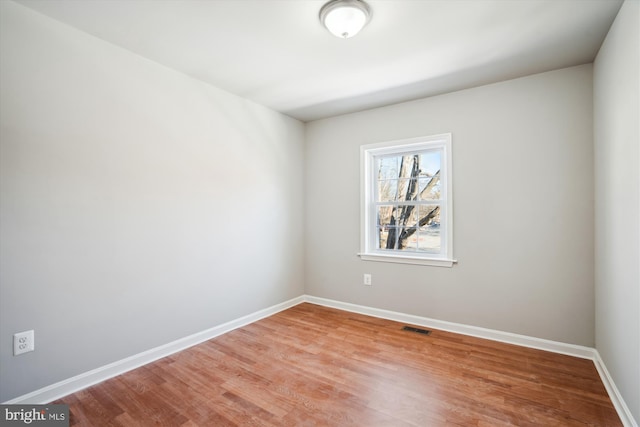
[(368, 153)]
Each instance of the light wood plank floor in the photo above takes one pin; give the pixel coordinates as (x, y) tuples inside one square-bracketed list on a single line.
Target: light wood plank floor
[(315, 366)]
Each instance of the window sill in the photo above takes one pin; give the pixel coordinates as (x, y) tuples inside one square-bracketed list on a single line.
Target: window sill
[(434, 262)]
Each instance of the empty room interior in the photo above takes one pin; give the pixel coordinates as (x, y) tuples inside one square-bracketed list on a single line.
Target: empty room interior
[(242, 212)]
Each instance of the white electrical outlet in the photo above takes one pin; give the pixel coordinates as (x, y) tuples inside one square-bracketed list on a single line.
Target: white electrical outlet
[(23, 342), (367, 279)]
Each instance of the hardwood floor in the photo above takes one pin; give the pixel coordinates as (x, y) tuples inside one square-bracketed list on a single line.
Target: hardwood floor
[(315, 366)]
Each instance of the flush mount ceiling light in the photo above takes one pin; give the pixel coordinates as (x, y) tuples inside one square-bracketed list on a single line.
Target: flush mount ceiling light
[(345, 18)]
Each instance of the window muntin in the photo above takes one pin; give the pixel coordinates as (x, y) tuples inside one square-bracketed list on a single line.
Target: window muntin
[(407, 201)]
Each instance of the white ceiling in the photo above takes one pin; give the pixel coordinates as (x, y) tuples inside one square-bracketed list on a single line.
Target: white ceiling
[(276, 52)]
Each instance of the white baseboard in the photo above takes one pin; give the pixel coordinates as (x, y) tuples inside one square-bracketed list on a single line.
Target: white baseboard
[(490, 334), (621, 407), (87, 379), (522, 340)]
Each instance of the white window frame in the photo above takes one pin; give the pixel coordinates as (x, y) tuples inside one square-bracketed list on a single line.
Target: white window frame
[(368, 211)]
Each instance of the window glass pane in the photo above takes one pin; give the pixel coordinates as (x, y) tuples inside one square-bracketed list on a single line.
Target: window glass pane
[(429, 215), (428, 239), (388, 167), (430, 163), (387, 190), (387, 221), (407, 216), (408, 173), (384, 215), (408, 224), (403, 186), (389, 238), (409, 243), (412, 190), (429, 188)]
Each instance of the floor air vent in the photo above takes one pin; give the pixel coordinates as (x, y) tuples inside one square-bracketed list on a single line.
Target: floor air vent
[(417, 330)]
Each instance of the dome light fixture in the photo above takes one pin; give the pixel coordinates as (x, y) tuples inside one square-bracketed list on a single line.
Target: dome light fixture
[(345, 18)]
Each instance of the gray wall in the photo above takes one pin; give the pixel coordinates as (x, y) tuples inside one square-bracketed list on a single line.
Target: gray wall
[(523, 208), (138, 205), (617, 236)]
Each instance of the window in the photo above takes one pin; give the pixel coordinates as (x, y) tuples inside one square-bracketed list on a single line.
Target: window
[(407, 201)]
